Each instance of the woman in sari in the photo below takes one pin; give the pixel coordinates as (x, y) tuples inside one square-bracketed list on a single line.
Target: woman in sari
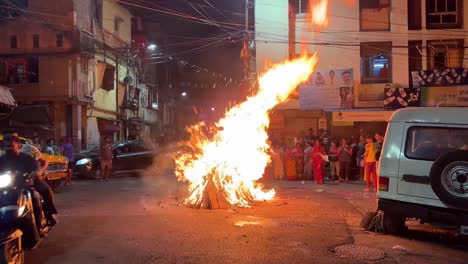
[(308, 164), (278, 166), (318, 163), (299, 160), (290, 164)]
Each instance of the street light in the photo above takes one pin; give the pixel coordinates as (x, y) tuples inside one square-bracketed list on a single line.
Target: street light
[(184, 94), (155, 106), (152, 47), (212, 108)]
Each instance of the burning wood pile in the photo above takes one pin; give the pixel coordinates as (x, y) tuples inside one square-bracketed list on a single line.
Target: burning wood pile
[(222, 163)]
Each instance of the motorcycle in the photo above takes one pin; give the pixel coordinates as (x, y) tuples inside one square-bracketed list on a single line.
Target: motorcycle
[(22, 221)]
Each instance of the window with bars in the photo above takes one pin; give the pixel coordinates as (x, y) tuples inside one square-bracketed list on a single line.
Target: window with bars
[(444, 14), (443, 54)]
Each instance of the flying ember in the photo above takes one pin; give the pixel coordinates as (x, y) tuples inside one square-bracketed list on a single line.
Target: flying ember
[(231, 156)]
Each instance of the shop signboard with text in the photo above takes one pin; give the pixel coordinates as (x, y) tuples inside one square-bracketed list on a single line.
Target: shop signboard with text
[(328, 89), (395, 98), (361, 116), (445, 96)]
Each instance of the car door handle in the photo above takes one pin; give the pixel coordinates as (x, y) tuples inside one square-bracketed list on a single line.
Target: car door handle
[(416, 178)]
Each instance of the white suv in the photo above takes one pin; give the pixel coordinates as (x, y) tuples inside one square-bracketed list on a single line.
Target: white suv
[(423, 168)]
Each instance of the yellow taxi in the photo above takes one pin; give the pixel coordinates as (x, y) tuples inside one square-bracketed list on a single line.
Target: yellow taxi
[(57, 169)]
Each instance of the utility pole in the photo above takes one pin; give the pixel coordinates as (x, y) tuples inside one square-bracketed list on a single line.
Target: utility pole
[(245, 54)]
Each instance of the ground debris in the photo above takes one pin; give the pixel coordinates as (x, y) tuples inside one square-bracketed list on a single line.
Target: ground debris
[(398, 247)]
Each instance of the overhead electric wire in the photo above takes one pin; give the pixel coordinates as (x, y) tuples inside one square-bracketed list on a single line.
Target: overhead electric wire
[(190, 17), (206, 17)]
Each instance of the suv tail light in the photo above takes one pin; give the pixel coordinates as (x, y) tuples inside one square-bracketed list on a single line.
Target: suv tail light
[(384, 182)]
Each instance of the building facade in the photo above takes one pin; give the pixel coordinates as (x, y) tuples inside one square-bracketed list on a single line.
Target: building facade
[(72, 58), (380, 41)]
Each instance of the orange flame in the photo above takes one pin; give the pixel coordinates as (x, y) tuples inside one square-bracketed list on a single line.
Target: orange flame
[(318, 13), (233, 154)]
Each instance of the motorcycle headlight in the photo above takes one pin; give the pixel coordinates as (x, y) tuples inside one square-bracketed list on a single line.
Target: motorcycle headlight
[(83, 161), (6, 179)]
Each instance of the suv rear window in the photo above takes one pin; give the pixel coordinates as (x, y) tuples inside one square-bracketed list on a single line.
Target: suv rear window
[(428, 143)]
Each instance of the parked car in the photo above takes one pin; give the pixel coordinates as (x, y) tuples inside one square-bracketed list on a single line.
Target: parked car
[(57, 169), (131, 156), (423, 169)]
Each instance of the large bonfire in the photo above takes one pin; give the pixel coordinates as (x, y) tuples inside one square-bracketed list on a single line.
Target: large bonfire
[(233, 154), (228, 158)]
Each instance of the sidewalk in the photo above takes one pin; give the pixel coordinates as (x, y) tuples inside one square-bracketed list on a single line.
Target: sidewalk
[(353, 192)]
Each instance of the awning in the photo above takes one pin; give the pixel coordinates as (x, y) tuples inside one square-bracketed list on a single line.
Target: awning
[(6, 97), (32, 116)]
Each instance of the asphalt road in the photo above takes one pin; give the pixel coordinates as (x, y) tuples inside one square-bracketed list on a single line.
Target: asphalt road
[(139, 220)]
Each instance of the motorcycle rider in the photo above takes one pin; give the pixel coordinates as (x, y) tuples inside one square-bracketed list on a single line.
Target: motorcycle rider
[(14, 160)]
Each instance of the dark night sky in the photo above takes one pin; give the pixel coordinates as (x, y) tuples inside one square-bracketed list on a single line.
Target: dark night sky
[(186, 35)]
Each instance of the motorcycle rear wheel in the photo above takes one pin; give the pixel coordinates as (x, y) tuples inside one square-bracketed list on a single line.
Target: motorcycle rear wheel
[(9, 254)]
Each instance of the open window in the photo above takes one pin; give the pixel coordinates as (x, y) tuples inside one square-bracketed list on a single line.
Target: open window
[(108, 79), (443, 54), (376, 62)]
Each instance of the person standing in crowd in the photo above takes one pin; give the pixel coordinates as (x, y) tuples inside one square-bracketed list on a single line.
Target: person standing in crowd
[(68, 151), (308, 164), (299, 160), (317, 152), (345, 158), (278, 166), (106, 158), (37, 143), (369, 159), (49, 147), (55, 148), (360, 155), (310, 136), (378, 145), (290, 163), (333, 154)]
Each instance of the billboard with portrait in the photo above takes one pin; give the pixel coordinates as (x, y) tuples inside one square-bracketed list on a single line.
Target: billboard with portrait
[(327, 89)]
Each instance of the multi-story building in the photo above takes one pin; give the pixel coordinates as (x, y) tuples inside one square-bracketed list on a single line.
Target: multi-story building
[(68, 65), (380, 41)]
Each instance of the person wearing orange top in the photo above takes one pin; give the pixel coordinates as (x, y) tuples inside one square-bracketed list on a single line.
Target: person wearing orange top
[(370, 164)]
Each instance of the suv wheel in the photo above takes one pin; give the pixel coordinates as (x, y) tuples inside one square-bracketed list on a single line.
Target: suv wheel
[(449, 178)]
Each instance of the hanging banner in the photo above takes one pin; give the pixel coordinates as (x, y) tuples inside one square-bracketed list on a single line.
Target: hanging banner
[(371, 95), (445, 96), (435, 77), (395, 98), (330, 89)]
